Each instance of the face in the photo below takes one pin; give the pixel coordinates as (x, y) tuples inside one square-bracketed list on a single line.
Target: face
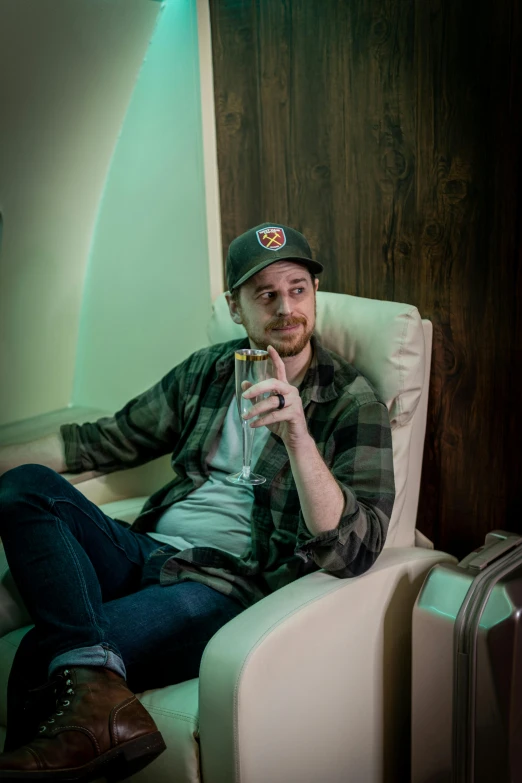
[(277, 307)]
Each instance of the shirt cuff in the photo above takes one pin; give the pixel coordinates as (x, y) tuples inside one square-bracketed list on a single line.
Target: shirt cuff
[(337, 533), (72, 448)]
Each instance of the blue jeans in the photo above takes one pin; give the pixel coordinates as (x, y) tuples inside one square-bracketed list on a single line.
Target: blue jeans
[(79, 573)]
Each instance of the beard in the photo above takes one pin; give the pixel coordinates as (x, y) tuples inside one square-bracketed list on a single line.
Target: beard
[(289, 344)]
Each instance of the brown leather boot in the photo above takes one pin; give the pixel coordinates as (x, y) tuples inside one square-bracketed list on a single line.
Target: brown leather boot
[(99, 729)]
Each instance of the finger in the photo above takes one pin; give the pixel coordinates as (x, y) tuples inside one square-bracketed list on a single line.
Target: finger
[(246, 385), (267, 387), (271, 418), (277, 364), (263, 407)]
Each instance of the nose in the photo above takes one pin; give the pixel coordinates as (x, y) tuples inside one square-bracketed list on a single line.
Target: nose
[(284, 305)]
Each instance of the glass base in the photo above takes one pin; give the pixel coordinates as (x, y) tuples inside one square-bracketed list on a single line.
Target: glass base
[(246, 479)]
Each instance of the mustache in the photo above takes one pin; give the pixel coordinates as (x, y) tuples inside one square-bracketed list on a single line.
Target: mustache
[(281, 323)]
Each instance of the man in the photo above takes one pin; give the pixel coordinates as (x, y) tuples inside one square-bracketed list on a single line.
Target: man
[(113, 605)]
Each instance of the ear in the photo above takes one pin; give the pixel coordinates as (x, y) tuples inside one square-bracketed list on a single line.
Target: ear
[(233, 308), (316, 284)]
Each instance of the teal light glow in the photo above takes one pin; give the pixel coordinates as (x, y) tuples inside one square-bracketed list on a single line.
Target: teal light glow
[(444, 592), (498, 608), (147, 294)]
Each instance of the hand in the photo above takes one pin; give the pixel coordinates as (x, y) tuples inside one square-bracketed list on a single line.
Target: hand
[(289, 423)]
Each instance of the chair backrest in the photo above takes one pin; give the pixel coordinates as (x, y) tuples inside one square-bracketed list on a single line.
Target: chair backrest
[(390, 345)]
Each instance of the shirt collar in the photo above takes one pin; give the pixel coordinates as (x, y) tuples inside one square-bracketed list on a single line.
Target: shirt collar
[(225, 365), (318, 383)]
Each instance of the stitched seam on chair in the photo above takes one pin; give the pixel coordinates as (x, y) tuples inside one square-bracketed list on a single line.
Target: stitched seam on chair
[(291, 613), (172, 714), (252, 651), (401, 350), (10, 643), (303, 606)]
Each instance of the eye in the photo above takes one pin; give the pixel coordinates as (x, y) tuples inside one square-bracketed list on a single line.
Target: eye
[(299, 290), (268, 295)]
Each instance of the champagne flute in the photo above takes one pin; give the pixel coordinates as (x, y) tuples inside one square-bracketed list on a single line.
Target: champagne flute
[(251, 366)]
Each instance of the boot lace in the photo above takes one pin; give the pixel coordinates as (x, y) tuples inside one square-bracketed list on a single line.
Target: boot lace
[(64, 688)]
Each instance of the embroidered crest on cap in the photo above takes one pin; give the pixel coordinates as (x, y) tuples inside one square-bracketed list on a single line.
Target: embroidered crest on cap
[(271, 238)]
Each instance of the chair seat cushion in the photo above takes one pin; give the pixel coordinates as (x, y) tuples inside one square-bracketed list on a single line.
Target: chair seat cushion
[(174, 708)]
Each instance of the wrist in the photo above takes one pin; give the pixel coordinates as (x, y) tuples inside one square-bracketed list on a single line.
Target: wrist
[(299, 445)]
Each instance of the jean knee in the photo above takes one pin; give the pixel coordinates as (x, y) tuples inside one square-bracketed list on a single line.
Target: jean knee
[(18, 480), (18, 484)]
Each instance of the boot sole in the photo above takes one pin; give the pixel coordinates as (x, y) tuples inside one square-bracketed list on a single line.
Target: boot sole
[(114, 765)]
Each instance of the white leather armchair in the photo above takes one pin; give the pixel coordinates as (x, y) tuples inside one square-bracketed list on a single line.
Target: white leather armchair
[(313, 682)]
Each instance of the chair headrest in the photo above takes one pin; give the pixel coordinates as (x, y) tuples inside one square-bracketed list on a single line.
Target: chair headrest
[(383, 340)]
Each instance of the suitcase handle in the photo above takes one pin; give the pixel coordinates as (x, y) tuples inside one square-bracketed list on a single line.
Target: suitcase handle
[(485, 555)]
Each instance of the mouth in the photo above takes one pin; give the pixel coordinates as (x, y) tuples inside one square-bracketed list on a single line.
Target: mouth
[(286, 329)]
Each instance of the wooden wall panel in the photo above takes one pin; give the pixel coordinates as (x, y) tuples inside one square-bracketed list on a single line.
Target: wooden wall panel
[(388, 131)]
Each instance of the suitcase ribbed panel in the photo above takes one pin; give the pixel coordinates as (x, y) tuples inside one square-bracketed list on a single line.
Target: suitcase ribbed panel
[(467, 668), (465, 660)]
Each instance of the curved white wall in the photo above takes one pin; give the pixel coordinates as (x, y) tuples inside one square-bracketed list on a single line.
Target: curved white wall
[(106, 275), (67, 70), (147, 296)]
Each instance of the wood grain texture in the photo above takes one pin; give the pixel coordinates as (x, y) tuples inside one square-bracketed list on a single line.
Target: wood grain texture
[(389, 132)]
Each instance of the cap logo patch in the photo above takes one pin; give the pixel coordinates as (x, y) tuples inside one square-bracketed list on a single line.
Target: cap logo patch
[(271, 238)]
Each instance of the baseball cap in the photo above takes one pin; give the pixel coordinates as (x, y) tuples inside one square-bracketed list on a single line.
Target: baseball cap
[(263, 245)]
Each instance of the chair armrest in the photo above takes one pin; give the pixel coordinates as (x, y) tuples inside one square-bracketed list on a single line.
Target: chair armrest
[(105, 488), (80, 478), (312, 682)]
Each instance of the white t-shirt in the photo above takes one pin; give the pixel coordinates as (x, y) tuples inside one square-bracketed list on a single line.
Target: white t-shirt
[(216, 514)]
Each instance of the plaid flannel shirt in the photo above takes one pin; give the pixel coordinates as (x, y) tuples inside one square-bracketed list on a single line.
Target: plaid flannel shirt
[(183, 414)]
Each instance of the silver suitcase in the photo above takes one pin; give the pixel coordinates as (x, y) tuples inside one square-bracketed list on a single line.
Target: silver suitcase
[(467, 668)]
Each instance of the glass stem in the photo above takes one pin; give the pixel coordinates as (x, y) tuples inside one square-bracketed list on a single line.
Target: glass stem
[(248, 439)]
